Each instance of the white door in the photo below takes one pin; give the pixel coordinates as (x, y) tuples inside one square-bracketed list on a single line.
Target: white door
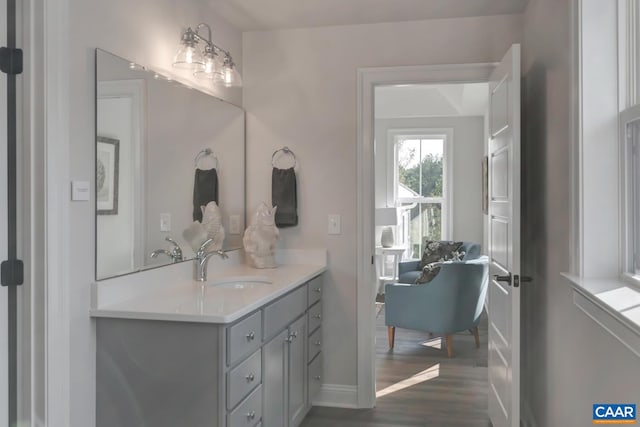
[(4, 327), (504, 241)]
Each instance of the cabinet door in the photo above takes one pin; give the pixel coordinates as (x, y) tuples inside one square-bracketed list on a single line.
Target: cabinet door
[(297, 371), (274, 376)]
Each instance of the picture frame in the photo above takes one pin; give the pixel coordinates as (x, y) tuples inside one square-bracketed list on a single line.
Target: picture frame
[(107, 171), (485, 185)]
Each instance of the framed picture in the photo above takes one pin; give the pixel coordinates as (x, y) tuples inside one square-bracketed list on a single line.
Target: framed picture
[(107, 165), (485, 185)]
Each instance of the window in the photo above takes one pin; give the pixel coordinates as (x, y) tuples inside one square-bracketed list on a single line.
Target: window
[(419, 183), (630, 143)]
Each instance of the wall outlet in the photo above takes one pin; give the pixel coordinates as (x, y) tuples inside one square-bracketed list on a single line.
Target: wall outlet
[(165, 222), (334, 226), (234, 224)]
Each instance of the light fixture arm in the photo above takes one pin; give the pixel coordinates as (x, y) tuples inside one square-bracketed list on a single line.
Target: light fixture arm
[(211, 45)]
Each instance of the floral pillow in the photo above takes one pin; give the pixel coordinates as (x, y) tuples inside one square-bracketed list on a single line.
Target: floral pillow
[(436, 250), (432, 269)]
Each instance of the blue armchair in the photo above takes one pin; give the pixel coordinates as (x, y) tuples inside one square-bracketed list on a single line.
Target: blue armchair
[(408, 271), (450, 303)]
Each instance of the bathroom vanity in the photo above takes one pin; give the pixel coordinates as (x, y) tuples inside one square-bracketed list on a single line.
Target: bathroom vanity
[(236, 351)]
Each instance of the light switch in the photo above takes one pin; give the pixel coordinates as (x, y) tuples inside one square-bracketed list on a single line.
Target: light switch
[(165, 222), (234, 224), (334, 224), (80, 191)]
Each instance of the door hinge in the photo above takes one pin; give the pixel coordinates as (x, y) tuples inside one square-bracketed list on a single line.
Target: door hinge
[(12, 272), (11, 60)]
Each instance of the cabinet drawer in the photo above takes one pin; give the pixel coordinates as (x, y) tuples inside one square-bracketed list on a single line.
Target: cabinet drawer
[(315, 344), (249, 412), (284, 311), (315, 377), (244, 337), (315, 290), (315, 317), (243, 378)]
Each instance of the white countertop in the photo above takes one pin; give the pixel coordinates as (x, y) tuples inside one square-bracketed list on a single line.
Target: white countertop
[(186, 300)]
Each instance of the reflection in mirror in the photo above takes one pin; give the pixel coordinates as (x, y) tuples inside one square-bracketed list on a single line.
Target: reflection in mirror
[(157, 140)]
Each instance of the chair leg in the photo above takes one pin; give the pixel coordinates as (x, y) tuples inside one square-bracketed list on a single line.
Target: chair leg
[(476, 335), (449, 340), (391, 330)]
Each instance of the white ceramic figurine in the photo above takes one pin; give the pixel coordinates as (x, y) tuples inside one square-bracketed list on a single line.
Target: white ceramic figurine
[(260, 238), (212, 223)]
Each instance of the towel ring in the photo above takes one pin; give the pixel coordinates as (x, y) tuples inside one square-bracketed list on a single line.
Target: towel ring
[(204, 153), (285, 150)]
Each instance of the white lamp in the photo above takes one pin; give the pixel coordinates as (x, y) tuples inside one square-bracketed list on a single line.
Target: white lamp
[(387, 217)]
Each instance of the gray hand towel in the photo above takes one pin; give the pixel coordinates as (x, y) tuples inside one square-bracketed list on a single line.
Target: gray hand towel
[(205, 190), (284, 196)]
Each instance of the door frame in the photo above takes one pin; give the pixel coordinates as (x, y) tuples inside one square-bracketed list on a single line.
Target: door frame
[(368, 79)]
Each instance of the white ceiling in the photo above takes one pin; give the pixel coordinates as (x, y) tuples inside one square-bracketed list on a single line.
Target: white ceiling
[(251, 15), (468, 99)]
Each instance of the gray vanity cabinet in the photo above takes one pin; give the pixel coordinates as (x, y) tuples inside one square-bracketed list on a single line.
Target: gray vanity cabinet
[(274, 396), (297, 371), (285, 377), (261, 370), (285, 369)]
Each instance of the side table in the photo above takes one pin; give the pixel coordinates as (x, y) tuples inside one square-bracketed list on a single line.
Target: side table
[(385, 276)]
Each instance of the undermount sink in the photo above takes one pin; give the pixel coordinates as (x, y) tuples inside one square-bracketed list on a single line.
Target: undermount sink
[(240, 282)]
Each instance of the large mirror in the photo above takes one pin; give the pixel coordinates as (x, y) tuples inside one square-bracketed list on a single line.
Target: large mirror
[(162, 149)]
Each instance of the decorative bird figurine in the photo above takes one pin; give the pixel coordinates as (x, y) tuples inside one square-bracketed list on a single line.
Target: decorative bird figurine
[(212, 223), (260, 238)]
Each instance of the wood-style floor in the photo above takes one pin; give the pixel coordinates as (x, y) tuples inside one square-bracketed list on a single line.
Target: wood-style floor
[(440, 392)]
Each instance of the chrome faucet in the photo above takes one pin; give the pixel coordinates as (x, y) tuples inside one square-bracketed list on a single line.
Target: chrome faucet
[(175, 254), (202, 259)]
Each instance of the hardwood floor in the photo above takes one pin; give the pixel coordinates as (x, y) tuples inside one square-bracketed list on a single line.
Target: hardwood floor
[(417, 385)]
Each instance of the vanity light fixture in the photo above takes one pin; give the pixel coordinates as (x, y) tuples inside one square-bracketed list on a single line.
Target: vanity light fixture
[(206, 63)]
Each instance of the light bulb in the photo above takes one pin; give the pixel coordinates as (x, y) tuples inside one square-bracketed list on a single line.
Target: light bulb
[(188, 55)]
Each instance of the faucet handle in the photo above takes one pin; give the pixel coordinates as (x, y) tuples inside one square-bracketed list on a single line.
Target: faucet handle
[(203, 246), (176, 253), (173, 242)]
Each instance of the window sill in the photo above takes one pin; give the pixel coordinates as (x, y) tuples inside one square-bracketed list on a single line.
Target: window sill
[(611, 303)]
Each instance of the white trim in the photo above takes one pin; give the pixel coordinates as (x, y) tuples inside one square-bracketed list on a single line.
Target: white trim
[(56, 138), (4, 237), (337, 396), (368, 78)]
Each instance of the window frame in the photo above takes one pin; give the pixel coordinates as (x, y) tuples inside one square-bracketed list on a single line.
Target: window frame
[(628, 92), (446, 201)]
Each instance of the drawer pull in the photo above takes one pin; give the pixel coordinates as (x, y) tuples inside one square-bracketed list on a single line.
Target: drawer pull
[(294, 334), (251, 336), (251, 415), (250, 377), (317, 377), (318, 290), (318, 316), (318, 343)]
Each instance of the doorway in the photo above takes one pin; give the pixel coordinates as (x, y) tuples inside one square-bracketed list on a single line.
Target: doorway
[(369, 80), (429, 146)]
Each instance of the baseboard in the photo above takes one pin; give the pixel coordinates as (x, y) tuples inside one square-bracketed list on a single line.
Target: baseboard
[(526, 417), (337, 396)]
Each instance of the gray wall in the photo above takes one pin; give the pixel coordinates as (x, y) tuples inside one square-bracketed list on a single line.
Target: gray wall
[(468, 149), (569, 362), (300, 91)]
